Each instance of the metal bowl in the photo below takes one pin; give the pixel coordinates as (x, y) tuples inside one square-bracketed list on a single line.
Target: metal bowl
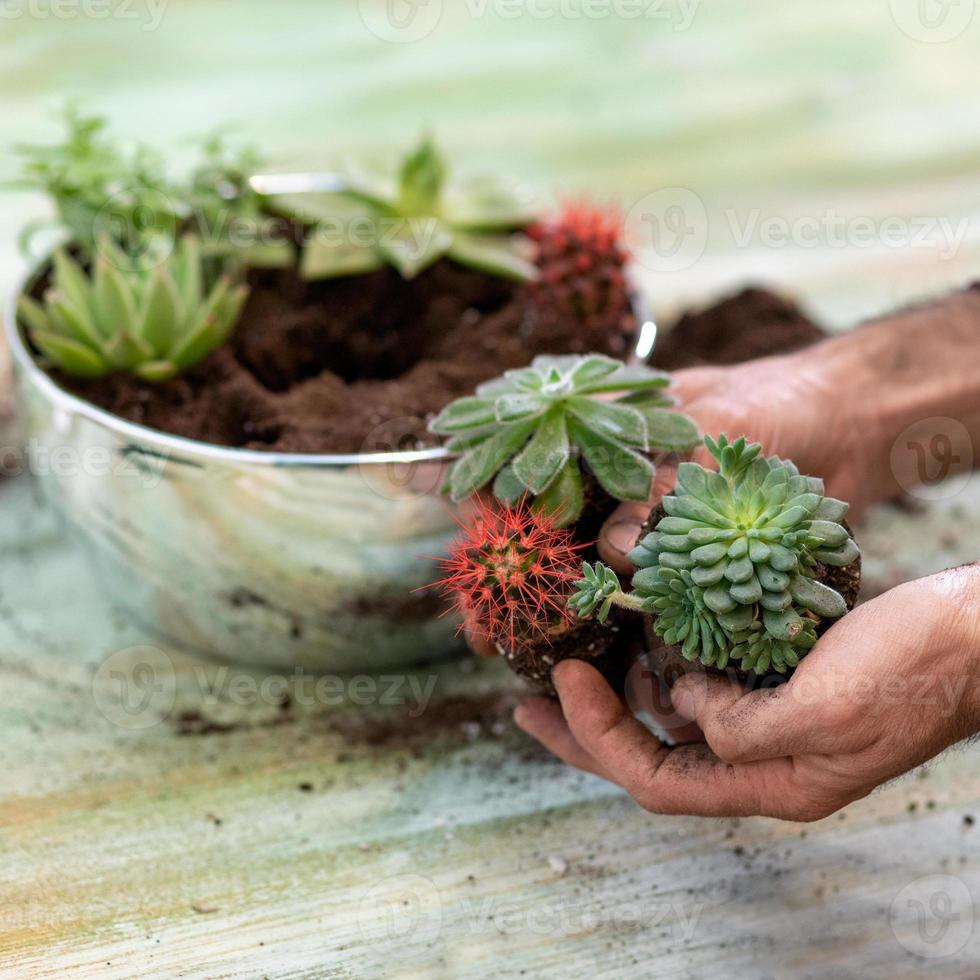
[(269, 559)]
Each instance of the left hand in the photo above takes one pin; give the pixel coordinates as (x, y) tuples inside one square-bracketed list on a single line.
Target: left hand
[(885, 689)]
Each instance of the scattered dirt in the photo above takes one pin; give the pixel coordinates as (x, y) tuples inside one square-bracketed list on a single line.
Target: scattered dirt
[(193, 722), (458, 718), (752, 323)]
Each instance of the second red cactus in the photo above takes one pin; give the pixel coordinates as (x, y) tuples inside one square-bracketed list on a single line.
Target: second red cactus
[(581, 261)]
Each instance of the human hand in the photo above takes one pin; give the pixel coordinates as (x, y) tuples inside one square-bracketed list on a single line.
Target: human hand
[(885, 689)]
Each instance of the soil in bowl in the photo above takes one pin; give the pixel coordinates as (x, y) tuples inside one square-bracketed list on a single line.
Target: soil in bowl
[(354, 364), (358, 364)]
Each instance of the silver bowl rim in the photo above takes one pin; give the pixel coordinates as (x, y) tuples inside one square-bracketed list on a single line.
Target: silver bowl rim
[(179, 445)]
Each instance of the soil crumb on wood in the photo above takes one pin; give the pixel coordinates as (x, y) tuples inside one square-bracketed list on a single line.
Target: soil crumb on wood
[(459, 719)]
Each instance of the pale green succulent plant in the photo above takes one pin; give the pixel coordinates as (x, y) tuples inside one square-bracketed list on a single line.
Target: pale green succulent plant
[(411, 219), (531, 430), (729, 573), (154, 322)]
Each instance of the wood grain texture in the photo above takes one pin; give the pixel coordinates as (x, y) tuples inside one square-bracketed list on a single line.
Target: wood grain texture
[(192, 824), (163, 817)]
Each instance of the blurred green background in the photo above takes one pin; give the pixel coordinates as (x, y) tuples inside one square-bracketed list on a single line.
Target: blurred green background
[(813, 147)]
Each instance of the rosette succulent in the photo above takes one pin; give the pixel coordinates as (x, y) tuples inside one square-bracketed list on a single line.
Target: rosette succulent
[(411, 219), (732, 573), (530, 431), (153, 322)]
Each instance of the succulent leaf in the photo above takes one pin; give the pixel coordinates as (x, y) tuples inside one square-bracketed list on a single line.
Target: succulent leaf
[(71, 356), (415, 245), (479, 465), (422, 175), (485, 202), (540, 461), (327, 260), (72, 321), (152, 322), (544, 421), (565, 497), (412, 219), (495, 255), (618, 422), (160, 313), (622, 473)]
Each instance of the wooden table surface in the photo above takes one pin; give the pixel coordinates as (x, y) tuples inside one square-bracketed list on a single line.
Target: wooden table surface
[(204, 822)]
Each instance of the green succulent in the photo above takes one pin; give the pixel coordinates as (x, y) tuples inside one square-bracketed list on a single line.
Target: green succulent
[(153, 322), (596, 592), (411, 219), (529, 430), (729, 573)]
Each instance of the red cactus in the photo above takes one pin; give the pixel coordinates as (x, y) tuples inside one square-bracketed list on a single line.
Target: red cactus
[(510, 573), (580, 258)]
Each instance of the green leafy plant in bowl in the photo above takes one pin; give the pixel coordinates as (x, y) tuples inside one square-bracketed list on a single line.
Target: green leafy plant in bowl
[(103, 189), (153, 322), (412, 218)]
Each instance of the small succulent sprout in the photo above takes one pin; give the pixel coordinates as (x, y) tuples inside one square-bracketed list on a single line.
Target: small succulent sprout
[(730, 574), (98, 185), (598, 591), (528, 430), (413, 219), (154, 322), (510, 573)]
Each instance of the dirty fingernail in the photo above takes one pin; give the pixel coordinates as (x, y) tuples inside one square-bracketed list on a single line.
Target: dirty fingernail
[(622, 536)]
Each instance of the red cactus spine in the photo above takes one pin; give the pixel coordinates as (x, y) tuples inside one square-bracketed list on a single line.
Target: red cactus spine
[(510, 573), (581, 262)]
